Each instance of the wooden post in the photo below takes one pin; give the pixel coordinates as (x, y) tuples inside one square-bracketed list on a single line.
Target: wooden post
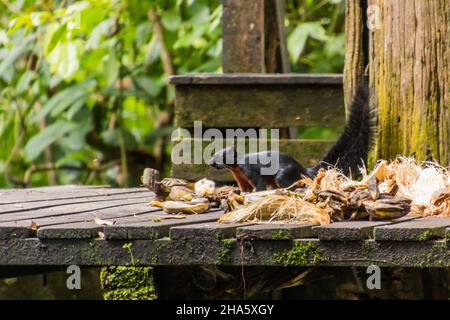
[(410, 73), (253, 37), (355, 60)]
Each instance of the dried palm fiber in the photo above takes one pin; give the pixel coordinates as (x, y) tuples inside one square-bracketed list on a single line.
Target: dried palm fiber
[(276, 208), (440, 203), (418, 182), (332, 179)]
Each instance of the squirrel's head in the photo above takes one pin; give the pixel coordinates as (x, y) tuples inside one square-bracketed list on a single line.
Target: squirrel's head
[(224, 158)]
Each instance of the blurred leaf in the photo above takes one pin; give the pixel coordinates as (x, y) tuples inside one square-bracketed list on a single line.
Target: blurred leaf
[(10, 59), (150, 86), (56, 37), (199, 12), (171, 19), (63, 59), (24, 81), (98, 33), (159, 133), (63, 99), (297, 39), (112, 66), (43, 139), (112, 138)]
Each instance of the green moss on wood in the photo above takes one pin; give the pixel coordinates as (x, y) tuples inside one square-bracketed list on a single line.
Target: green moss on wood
[(279, 234), (146, 293), (301, 254), (224, 255), (438, 256), (426, 235), (127, 283), (218, 235)]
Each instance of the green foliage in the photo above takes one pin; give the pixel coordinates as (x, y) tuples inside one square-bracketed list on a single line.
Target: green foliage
[(316, 35), (83, 84)]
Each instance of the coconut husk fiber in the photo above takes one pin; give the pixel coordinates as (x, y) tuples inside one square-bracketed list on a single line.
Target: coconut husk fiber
[(278, 208)]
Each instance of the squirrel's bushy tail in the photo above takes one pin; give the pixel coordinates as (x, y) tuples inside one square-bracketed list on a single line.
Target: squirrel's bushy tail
[(351, 149)]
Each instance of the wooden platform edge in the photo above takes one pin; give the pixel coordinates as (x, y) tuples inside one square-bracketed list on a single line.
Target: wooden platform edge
[(226, 252)]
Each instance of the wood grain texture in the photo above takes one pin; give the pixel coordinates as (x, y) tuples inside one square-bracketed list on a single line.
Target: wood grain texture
[(354, 55), (69, 192), (256, 79), (275, 231), (96, 252), (345, 231), (153, 229), (352, 230), (410, 74), (263, 106), (243, 29), (423, 229), (76, 230), (253, 36), (210, 230)]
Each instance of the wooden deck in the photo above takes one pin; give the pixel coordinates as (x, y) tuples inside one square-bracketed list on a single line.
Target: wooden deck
[(55, 226)]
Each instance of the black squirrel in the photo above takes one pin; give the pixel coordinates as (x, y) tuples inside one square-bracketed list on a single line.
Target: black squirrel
[(348, 153)]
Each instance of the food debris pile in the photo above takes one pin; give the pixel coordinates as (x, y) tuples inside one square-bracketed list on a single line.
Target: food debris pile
[(390, 191), (178, 196)]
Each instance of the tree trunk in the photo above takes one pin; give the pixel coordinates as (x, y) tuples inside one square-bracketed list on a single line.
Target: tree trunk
[(409, 60)]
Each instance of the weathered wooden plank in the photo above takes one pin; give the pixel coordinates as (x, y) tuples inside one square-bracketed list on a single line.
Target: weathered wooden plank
[(129, 224), (352, 230), (256, 79), (20, 196), (421, 229), (134, 226), (131, 230), (14, 230), (349, 230), (47, 204), (77, 230), (300, 253), (266, 106), (139, 205), (276, 231), (209, 230), (307, 152), (111, 212), (22, 228)]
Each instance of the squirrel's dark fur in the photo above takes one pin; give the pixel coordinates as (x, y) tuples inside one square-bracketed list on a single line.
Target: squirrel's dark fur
[(348, 154)]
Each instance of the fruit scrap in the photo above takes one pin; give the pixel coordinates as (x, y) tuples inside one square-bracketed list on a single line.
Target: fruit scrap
[(204, 187), (192, 207), (181, 193)]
